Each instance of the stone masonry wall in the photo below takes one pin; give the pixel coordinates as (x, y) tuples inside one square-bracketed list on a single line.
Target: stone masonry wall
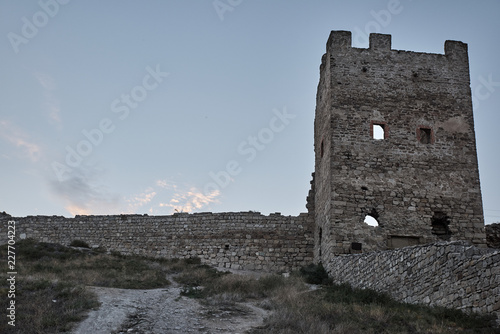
[(421, 180), (244, 240), (493, 235), (450, 274)]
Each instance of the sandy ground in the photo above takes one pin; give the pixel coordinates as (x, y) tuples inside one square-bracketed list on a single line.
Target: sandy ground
[(165, 311)]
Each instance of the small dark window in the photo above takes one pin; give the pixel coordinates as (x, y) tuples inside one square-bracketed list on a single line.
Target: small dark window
[(425, 135), (322, 149), (440, 225), (356, 246)]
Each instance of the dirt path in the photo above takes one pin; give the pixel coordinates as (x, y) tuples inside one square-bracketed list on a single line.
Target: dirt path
[(165, 311)]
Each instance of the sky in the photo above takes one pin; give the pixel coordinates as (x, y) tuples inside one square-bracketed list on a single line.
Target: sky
[(156, 107)]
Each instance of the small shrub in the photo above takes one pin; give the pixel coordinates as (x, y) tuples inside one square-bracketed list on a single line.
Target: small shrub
[(79, 243), (31, 250), (192, 292), (270, 283), (315, 274), (233, 284), (193, 260), (344, 293), (198, 275), (116, 253)]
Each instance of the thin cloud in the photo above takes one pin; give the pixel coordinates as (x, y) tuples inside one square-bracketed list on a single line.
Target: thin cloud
[(83, 194), (191, 200), (54, 110), (45, 80), (165, 184), (19, 139), (180, 198), (52, 104), (140, 200), (76, 210)]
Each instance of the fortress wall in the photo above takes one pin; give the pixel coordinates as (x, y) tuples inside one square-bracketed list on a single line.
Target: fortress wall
[(450, 274), (244, 240)]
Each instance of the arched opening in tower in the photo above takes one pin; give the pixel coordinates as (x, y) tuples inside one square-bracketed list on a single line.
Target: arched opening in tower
[(370, 220)]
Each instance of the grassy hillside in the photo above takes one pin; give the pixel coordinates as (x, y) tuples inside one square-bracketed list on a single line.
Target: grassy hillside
[(51, 297)]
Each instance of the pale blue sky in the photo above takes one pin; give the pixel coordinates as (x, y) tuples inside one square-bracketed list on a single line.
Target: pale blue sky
[(181, 91)]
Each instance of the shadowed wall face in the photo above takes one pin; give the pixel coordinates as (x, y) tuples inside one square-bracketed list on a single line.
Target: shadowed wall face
[(450, 274), (394, 140)]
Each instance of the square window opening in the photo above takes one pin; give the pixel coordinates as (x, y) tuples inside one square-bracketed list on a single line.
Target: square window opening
[(425, 135), (378, 131)]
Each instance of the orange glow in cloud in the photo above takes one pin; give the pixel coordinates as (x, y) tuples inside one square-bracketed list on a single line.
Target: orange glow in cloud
[(19, 139), (191, 200), (76, 210), (140, 200)]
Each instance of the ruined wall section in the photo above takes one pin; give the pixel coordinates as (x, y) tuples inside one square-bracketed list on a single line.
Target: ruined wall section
[(449, 274), (243, 240), (420, 181), (322, 179)]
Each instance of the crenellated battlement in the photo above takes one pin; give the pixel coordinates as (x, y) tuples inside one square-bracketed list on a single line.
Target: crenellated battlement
[(380, 42), (341, 41)]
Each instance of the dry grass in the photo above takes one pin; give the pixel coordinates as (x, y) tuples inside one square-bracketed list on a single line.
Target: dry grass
[(99, 270), (50, 285), (51, 296), (296, 308), (341, 309), (48, 307)]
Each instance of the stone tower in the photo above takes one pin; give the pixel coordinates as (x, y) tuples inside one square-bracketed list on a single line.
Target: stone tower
[(394, 139)]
